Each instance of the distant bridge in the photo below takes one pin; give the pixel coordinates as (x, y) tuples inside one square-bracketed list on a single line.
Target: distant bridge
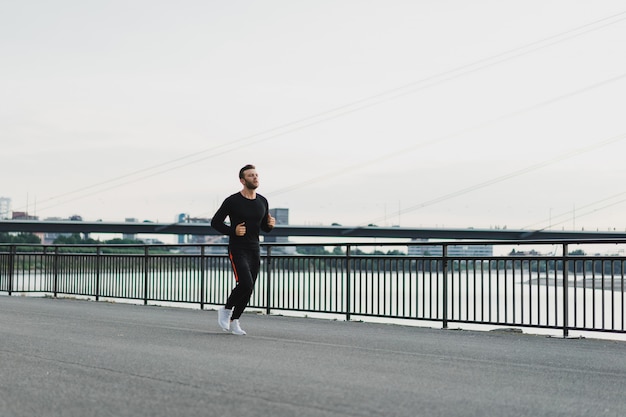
[(34, 226)]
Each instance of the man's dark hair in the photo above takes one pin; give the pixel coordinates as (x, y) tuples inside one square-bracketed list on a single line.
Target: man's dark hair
[(244, 169)]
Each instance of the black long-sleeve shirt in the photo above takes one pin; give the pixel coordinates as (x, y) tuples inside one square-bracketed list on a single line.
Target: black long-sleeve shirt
[(239, 209)]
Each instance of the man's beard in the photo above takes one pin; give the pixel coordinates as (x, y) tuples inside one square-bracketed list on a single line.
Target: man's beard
[(251, 185)]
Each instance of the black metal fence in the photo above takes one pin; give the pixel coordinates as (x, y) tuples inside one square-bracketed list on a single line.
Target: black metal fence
[(520, 289)]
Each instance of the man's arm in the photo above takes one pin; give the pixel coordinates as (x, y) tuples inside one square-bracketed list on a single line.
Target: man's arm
[(217, 222), (269, 223)]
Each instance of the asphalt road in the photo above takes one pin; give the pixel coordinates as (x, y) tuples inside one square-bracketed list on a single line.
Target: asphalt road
[(81, 358)]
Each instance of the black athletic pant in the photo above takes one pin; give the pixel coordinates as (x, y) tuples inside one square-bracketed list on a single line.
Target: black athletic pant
[(246, 263)]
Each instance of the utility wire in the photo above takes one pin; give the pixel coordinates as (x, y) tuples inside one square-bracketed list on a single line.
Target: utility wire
[(577, 212), (338, 111), (502, 178), (334, 113), (478, 127)]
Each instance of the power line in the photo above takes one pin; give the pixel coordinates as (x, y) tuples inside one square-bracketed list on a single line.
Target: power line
[(478, 127), (508, 176), (576, 213), (331, 114)]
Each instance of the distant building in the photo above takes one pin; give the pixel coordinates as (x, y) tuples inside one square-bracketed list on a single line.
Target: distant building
[(5, 207), (181, 219), (22, 215), (453, 250)]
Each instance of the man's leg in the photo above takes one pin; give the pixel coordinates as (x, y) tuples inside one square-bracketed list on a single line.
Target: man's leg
[(246, 265)]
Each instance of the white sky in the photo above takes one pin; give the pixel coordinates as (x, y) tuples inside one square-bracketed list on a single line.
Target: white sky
[(434, 113)]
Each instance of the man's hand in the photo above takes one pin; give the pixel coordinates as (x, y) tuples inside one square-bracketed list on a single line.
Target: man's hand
[(271, 222), (240, 229)]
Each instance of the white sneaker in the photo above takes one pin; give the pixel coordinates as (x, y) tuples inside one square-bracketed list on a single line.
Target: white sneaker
[(223, 318), (235, 329)]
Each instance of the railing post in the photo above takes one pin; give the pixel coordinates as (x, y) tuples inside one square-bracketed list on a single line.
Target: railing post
[(12, 255), (445, 286), (55, 265), (565, 290), (146, 265), (348, 279), (202, 276), (268, 287), (98, 267)]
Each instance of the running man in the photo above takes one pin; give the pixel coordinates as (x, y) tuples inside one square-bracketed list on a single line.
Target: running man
[(248, 213)]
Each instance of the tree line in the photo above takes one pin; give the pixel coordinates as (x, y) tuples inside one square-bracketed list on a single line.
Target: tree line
[(74, 239)]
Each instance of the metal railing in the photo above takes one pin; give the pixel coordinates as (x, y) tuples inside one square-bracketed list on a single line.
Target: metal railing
[(555, 291)]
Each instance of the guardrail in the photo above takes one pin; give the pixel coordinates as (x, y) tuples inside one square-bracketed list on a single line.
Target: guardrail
[(556, 291)]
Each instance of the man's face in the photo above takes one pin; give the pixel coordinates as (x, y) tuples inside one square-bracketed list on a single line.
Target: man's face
[(250, 179)]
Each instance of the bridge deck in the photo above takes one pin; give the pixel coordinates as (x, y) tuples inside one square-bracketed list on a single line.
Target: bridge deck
[(81, 358)]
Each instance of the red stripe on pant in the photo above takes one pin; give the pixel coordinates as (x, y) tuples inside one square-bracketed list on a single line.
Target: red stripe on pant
[(232, 263)]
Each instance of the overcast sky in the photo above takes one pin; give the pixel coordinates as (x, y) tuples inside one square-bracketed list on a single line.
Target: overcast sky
[(435, 113)]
